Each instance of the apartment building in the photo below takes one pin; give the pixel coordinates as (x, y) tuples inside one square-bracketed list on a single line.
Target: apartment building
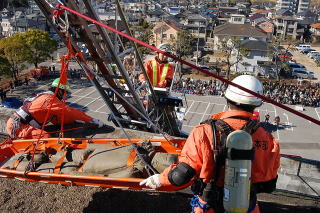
[(295, 6), (287, 26)]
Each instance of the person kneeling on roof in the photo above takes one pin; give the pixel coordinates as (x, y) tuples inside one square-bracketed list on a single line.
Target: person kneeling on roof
[(27, 121), (202, 162)]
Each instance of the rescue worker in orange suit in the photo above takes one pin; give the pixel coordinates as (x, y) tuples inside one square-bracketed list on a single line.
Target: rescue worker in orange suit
[(159, 70), (197, 157), (27, 121)]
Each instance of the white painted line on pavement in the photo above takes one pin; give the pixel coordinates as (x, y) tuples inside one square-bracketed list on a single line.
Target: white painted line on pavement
[(189, 107), (199, 113), (315, 109), (79, 96), (84, 96), (91, 102), (224, 108), (204, 112), (100, 108), (78, 90), (275, 115), (288, 123)]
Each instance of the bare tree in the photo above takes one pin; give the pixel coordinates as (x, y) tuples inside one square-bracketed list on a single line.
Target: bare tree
[(231, 48)]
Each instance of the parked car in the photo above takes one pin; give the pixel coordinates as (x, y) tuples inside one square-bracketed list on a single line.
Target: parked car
[(293, 65), (314, 54), (300, 74), (206, 68), (303, 46), (311, 75), (12, 102), (306, 51)]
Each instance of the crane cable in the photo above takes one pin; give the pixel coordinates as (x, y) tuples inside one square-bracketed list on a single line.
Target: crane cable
[(60, 6)]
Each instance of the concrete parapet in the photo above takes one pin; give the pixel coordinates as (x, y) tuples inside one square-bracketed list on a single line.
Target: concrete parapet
[(301, 176)]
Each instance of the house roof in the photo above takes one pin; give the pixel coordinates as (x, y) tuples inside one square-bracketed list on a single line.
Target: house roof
[(166, 25), (284, 12), (245, 30), (255, 16), (260, 11), (316, 25), (255, 45), (261, 19), (155, 12)]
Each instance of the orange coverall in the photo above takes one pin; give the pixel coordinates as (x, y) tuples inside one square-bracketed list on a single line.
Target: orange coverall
[(38, 109), (198, 153), (157, 72)]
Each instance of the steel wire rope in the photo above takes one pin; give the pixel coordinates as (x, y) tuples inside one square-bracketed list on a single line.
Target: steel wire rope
[(192, 65), (147, 165), (165, 135)]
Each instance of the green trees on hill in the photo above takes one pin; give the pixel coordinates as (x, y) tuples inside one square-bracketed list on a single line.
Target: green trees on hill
[(32, 46)]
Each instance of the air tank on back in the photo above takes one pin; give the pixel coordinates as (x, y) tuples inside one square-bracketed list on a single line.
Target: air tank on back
[(237, 173)]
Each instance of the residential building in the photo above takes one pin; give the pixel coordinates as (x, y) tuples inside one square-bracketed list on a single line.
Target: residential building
[(165, 32), (288, 26), (237, 19), (240, 31), (295, 6), (265, 25), (315, 29), (154, 16), (258, 53), (196, 25)]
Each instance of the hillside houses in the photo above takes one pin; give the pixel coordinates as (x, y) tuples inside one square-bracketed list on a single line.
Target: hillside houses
[(256, 26)]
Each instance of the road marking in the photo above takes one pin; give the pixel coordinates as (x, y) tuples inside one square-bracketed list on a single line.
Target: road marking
[(78, 96), (84, 96), (91, 102), (275, 115), (100, 108), (315, 109), (196, 113), (189, 107), (78, 90), (224, 108), (204, 112), (288, 123)]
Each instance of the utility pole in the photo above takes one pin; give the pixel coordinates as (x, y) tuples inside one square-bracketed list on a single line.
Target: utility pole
[(197, 53)]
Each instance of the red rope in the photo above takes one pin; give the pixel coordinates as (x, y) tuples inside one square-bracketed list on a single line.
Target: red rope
[(59, 6), (63, 80)]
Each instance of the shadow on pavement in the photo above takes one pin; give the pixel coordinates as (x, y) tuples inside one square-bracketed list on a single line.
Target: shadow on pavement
[(266, 207), (115, 200), (272, 128)]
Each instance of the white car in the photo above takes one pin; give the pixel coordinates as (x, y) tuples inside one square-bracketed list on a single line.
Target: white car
[(314, 54), (300, 74)]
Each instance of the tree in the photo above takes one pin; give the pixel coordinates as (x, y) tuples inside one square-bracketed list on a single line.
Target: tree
[(184, 43), (39, 45), (144, 31), (231, 47), (4, 66), (14, 51)]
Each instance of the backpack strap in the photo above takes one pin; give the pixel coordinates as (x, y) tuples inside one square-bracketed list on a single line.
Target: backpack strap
[(251, 126)]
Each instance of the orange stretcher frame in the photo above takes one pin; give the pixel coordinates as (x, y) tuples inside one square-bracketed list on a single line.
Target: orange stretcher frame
[(8, 149)]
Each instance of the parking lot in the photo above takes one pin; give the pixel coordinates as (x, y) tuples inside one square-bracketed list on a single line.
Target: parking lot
[(308, 63), (297, 135)]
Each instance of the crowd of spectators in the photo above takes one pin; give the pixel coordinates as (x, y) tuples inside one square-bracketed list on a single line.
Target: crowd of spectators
[(293, 94), (282, 92), (199, 87)]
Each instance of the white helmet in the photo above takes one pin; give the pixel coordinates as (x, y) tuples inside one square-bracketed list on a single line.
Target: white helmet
[(241, 97), (165, 47)]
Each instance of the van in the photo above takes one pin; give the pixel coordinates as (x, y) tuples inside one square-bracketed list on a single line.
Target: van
[(303, 46)]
